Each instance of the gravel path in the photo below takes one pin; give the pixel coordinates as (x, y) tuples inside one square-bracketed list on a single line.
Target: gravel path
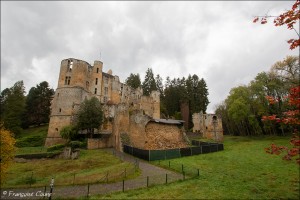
[(156, 176)]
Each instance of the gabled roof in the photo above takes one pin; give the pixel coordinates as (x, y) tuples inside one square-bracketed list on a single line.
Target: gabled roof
[(168, 121)]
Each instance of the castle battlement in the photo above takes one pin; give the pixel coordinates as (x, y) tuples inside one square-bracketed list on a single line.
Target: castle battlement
[(79, 80)]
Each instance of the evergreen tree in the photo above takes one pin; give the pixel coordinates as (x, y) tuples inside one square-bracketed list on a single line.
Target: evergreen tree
[(133, 81), (149, 83), (203, 96), (38, 104), (197, 92), (159, 85), (13, 102)]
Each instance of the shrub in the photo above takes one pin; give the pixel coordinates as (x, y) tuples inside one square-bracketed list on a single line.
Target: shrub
[(56, 147), (31, 141), (75, 144), (39, 155), (68, 132), (78, 144)]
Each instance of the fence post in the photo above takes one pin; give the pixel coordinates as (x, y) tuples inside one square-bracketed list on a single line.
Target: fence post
[(147, 181), (74, 179), (31, 178), (88, 192), (123, 185), (45, 192), (198, 172), (106, 177), (182, 168), (51, 188), (166, 178)]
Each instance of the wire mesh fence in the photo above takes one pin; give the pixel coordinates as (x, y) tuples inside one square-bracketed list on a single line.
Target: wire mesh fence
[(88, 189), (109, 181), (35, 179), (152, 155)]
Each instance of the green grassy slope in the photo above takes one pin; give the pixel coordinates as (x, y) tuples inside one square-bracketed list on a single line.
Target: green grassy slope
[(242, 171), (90, 167)]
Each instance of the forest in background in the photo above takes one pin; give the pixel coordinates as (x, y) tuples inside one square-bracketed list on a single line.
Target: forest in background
[(242, 111)]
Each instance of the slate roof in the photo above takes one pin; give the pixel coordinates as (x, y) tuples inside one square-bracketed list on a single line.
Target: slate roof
[(168, 121)]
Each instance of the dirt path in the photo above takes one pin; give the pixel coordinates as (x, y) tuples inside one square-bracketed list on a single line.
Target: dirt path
[(156, 176)]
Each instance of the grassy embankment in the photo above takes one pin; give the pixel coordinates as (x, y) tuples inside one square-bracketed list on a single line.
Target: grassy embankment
[(91, 166), (242, 171)]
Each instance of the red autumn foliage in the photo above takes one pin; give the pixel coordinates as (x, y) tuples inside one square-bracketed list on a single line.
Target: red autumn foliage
[(288, 18), (290, 117)]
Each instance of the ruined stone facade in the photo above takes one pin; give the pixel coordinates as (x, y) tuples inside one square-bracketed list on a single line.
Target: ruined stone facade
[(208, 125), (155, 134), (78, 80)]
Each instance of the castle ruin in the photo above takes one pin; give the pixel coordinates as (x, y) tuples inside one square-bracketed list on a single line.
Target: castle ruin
[(127, 113), (208, 125)]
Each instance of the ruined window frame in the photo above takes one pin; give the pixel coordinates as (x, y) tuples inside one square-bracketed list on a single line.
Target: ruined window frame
[(67, 80), (70, 65)]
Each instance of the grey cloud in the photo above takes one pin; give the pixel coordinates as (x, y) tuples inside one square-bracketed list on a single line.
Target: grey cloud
[(215, 40)]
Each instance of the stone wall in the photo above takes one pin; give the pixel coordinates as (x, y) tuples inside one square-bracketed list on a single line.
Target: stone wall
[(164, 136), (55, 125), (213, 127), (197, 121), (120, 125), (99, 143), (208, 125), (185, 113), (137, 133)]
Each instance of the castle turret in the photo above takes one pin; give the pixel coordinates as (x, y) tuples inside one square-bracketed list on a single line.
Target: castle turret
[(73, 87), (155, 95)]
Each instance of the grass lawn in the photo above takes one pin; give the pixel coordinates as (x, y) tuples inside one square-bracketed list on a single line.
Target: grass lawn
[(242, 171), (90, 167), (30, 150), (32, 137)]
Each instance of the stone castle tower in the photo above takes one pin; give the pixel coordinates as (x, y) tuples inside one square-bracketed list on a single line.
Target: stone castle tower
[(208, 125), (78, 80)]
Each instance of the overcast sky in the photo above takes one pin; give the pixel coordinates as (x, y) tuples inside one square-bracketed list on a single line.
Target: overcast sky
[(215, 40)]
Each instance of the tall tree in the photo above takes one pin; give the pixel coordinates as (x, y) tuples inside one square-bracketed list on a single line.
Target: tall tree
[(90, 115), (149, 83), (287, 70), (133, 80), (13, 102), (38, 104), (7, 146), (288, 18), (203, 95), (198, 93), (159, 85)]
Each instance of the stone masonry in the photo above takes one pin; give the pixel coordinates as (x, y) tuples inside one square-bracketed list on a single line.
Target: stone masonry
[(78, 80), (208, 125)]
